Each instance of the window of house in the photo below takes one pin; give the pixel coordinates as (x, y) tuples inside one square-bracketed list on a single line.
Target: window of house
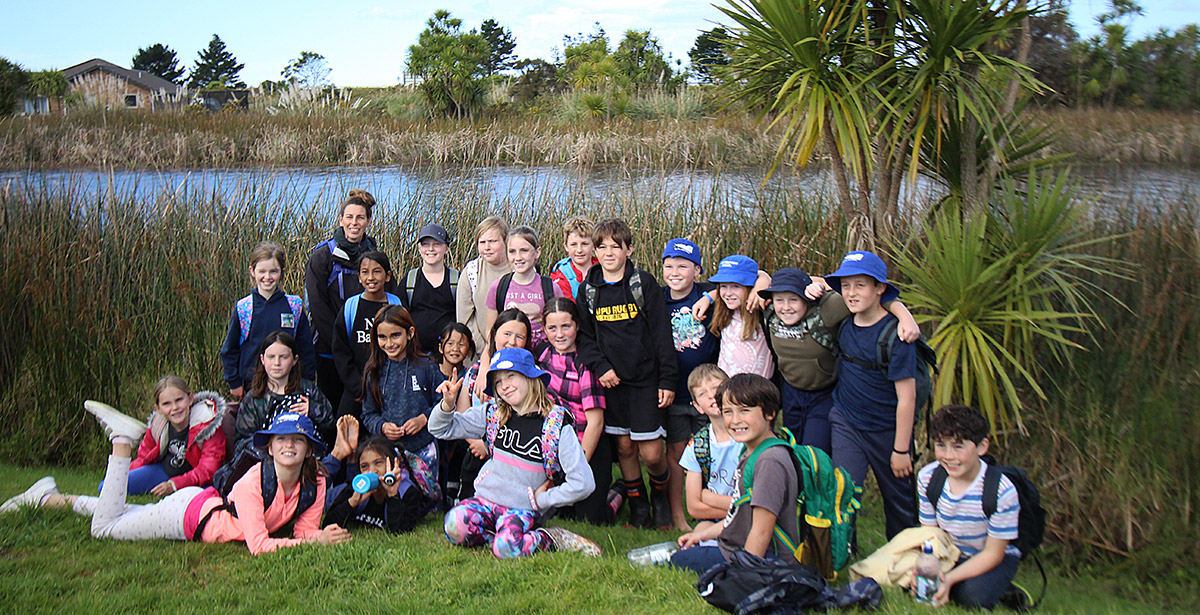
[(131, 100)]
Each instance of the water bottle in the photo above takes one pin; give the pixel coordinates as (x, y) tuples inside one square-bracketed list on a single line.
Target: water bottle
[(653, 555), (365, 482), (926, 573)]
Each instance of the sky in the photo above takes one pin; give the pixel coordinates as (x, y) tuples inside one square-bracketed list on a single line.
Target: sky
[(365, 42)]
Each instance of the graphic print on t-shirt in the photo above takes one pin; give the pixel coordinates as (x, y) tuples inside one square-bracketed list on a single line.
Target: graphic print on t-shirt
[(686, 331)]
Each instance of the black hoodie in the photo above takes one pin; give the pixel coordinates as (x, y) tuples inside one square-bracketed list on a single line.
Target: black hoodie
[(631, 340)]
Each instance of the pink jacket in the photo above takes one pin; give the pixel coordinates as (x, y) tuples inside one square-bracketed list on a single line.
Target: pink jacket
[(253, 524)]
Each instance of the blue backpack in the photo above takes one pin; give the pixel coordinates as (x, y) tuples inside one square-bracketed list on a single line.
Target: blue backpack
[(350, 310)]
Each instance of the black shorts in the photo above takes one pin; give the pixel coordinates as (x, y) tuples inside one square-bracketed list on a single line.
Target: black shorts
[(683, 421), (632, 410)]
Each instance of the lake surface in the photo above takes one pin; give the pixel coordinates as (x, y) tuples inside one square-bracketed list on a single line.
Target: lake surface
[(1111, 185)]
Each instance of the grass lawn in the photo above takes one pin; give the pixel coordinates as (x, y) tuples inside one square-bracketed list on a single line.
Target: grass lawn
[(50, 564)]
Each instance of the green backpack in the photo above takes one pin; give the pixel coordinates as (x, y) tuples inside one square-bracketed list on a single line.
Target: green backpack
[(825, 506)]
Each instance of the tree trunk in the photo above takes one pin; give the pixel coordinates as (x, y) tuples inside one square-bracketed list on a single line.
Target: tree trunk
[(840, 179)]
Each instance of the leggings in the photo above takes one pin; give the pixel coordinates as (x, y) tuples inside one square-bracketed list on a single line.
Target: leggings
[(113, 518), (143, 479), (511, 532)]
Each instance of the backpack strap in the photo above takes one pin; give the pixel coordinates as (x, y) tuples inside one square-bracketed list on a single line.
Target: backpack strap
[(937, 482), (472, 273), (547, 289), (491, 427), (244, 308), (635, 289), (410, 282), (883, 345), (393, 299), (296, 303), (589, 297), (453, 280), (349, 311), (551, 432), (991, 489), (700, 446), (502, 291)]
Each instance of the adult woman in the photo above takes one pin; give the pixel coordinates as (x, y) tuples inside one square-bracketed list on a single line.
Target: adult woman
[(331, 276)]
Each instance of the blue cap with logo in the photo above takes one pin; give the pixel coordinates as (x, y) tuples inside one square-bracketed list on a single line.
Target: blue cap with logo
[(738, 269), (516, 360), (683, 248), (289, 423), (861, 262)]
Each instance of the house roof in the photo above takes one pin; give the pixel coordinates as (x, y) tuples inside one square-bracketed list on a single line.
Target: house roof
[(140, 78)]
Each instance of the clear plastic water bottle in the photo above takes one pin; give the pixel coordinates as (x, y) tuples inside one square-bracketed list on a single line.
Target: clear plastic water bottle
[(926, 573), (653, 555)]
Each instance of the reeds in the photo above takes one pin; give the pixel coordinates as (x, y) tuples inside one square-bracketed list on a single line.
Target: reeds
[(317, 135), (100, 294)]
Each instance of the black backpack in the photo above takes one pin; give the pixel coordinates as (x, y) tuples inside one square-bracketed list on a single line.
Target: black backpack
[(230, 473), (506, 280), (926, 360), (1031, 522)]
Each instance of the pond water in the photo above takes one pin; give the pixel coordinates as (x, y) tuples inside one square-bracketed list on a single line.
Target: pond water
[(1111, 185)]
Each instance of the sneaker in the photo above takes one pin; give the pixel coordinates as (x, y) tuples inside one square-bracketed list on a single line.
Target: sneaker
[(1017, 599), (566, 540), (115, 423), (32, 497), (661, 504)]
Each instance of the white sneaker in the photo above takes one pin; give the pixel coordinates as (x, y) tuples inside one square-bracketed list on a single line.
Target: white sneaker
[(115, 423), (566, 540), (32, 497)]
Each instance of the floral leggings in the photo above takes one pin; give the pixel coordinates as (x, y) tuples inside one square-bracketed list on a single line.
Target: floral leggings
[(511, 532)]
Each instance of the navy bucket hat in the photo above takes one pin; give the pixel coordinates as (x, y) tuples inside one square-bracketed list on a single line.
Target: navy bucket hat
[(789, 280), (861, 262), (289, 423)]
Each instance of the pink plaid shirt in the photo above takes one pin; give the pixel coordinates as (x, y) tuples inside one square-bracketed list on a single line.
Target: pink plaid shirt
[(573, 385)]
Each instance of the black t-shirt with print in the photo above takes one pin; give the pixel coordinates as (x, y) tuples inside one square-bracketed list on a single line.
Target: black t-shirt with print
[(175, 456)]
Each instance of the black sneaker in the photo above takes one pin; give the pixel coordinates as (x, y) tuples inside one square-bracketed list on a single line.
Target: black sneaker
[(1017, 599), (639, 512)]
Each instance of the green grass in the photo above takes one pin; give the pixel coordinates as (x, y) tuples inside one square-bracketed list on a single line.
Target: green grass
[(49, 564)]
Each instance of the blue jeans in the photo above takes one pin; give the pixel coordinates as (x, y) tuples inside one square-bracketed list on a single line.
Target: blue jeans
[(697, 559), (806, 414), (143, 479), (984, 591)]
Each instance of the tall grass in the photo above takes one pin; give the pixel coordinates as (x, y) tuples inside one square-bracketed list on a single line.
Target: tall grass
[(100, 294)]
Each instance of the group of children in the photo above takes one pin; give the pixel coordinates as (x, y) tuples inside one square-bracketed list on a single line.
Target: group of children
[(502, 395)]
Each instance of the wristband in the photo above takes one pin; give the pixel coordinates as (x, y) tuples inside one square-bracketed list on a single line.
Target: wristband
[(900, 452)]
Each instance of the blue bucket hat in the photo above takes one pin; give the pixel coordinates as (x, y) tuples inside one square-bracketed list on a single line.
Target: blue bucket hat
[(516, 360), (737, 269), (290, 423), (683, 248), (789, 280), (861, 262)]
